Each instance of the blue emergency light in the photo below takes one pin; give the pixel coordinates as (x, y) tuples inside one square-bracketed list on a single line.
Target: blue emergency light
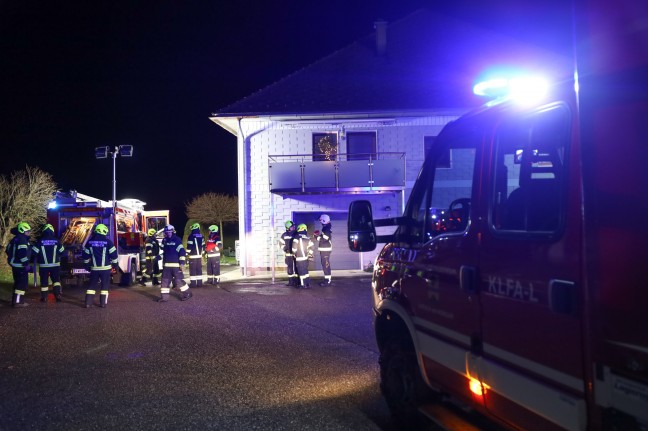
[(524, 89)]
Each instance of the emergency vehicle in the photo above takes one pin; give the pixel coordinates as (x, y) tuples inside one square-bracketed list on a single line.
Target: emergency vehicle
[(74, 216), (516, 284)]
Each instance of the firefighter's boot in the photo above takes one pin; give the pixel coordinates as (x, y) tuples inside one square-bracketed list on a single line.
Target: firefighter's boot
[(142, 281), (44, 293), (103, 299), (164, 294), (17, 300), (186, 295), (57, 292), (89, 299)]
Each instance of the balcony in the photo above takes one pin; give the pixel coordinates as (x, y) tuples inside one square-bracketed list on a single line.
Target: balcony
[(304, 173)]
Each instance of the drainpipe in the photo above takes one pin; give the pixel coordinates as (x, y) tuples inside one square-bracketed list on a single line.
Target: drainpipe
[(381, 37), (242, 174)]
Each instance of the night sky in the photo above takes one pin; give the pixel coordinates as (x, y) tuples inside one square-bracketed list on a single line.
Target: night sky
[(75, 75)]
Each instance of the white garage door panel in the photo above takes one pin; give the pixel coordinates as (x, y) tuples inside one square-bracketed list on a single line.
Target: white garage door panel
[(341, 257)]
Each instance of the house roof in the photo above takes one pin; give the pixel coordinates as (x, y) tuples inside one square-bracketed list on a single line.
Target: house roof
[(430, 64)]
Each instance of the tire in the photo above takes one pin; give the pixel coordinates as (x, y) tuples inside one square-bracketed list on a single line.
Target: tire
[(128, 278), (401, 383)]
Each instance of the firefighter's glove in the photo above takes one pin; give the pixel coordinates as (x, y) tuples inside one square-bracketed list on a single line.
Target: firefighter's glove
[(28, 268), (87, 267), (316, 233), (115, 266)]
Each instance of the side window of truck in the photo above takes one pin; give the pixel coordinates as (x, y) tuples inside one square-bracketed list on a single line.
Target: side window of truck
[(530, 172), (440, 201)]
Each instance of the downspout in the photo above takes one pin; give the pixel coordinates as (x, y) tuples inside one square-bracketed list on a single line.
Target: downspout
[(242, 187)]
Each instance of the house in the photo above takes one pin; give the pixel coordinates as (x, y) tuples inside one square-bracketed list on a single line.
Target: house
[(355, 125)]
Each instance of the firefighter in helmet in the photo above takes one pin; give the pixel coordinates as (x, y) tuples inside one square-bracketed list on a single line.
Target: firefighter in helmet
[(325, 246), (174, 259), (302, 248), (47, 253), (285, 244), (99, 256), (18, 256), (195, 250), (213, 248), (152, 250)]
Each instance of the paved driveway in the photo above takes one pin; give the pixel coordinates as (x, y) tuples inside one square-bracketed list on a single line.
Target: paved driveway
[(246, 355)]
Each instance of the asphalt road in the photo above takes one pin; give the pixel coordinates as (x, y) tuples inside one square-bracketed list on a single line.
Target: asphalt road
[(246, 355)]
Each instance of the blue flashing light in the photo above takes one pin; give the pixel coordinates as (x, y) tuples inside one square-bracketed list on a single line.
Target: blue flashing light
[(522, 89), (51, 205)]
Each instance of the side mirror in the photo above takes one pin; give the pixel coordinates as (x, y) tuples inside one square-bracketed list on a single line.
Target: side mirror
[(361, 227)]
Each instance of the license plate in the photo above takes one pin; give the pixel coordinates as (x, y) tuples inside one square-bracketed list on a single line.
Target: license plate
[(80, 271)]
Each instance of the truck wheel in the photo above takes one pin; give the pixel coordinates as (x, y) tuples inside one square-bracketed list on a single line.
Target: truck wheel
[(128, 278), (401, 382)]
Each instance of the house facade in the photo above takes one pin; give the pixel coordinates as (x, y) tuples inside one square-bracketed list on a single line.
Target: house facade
[(354, 125)]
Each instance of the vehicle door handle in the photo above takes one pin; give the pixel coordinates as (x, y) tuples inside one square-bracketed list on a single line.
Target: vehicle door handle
[(468, 279)]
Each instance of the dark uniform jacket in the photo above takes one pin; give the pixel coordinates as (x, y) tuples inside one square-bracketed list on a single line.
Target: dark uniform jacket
[(100, 253), (324, 238), (18, 251), (47, 250), (302, 246), (174, 252), (195, 244)]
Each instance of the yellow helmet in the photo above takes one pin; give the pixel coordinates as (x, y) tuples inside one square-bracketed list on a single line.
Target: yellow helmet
[(151, 232), (213, 228), (302, 228), (23, 227), (101, 229), (48, 227), (195, 226)]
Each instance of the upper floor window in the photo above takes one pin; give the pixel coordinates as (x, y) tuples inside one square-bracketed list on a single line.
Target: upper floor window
[(325, 147), (361, 145), (445, 159)]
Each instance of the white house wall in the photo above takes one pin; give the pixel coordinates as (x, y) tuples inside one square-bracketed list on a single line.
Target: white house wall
[(264, 213)]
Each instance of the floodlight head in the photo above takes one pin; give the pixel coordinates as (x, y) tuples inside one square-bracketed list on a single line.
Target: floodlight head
[(126, 150), (101, 152)]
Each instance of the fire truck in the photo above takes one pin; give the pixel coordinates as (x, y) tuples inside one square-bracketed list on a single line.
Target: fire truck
[(514, 284), (74, 216)]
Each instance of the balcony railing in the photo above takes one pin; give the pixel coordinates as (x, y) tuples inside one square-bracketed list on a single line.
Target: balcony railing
[(304, 173)]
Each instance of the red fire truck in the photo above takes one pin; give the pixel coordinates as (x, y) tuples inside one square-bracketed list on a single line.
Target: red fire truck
[(515, 286), (74, 216)]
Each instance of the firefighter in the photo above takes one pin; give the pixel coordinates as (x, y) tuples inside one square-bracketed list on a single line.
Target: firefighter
[(47, 253), (325, 246), (195, 250), (152, 268), (302, 248), (174, 258), (18, 256), (285, 244), (213, 248), (99, 256)]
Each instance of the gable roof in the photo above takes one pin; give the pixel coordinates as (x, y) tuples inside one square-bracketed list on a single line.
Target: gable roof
[(429, 65)]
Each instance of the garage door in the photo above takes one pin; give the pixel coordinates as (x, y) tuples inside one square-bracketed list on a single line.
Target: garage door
[(341, 256)]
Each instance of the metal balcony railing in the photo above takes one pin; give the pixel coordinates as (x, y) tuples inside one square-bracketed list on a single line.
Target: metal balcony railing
[(304, 173)]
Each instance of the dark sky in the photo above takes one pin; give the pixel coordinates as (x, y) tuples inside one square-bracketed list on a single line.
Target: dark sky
[(75, 75)]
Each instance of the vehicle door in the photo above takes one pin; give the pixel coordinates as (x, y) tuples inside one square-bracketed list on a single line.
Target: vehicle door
[(438, 278), (532, 365)]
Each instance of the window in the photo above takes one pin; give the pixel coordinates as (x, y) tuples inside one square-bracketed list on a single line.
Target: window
[(445, 160), (361, 145), (325, 147), (441, 198), (530, 176)]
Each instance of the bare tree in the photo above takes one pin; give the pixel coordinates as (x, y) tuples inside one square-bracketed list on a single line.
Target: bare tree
[(213, 208), (24, 196)]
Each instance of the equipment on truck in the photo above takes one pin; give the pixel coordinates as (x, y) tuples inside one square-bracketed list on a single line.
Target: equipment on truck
[(74, 216), (514, 283)]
